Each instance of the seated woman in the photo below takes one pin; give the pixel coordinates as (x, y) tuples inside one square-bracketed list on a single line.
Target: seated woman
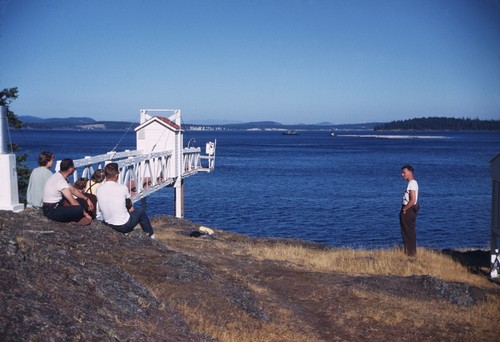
[(94, 182), (38, 178), (80, 185)]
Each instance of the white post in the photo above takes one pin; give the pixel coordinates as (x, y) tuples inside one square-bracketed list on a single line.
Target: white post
[(494, 264), (178, 186), (179, 199), (9, 195)]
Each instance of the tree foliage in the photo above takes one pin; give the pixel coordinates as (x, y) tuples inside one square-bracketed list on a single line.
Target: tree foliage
[(8, 95), (441, 123)]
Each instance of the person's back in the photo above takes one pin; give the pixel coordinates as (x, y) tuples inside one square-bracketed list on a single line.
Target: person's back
[(38, 178), (111, 197), (116, 207), (53, 186)]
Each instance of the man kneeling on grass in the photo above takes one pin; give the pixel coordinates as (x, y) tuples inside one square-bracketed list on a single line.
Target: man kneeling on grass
[(116, 207)]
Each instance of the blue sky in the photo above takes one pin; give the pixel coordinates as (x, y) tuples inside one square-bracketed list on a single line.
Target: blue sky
[(291, 61)]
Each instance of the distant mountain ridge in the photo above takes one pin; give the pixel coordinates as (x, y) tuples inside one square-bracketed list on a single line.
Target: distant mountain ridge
[(33, 122), (72, 123)]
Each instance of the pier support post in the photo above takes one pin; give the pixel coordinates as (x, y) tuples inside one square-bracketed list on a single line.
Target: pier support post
[(9, 195), (179, 198)]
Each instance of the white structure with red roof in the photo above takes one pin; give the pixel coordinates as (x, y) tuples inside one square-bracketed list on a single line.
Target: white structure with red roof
[(160, 134)]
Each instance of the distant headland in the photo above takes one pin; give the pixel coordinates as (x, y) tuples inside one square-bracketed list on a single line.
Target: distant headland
[(441, 124), (424, 123)]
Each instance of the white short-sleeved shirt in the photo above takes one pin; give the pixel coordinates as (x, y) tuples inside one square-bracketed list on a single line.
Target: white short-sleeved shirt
[(111, 198), (52, 192), (412, 185)]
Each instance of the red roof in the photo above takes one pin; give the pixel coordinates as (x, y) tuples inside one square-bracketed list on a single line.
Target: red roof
[(168, 122)]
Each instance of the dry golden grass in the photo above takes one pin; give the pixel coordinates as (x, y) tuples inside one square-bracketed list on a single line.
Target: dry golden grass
[(390, 262), (355, 309), (236, 325), (225, 323), (396, 310)]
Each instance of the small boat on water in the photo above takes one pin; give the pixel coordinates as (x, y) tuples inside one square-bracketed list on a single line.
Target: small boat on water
[(332, 133), (290, 132)]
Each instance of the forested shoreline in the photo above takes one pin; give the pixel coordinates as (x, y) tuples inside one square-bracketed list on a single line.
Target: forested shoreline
[(441, 123)]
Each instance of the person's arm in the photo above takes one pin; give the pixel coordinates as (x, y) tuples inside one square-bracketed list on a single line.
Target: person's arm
[(69, 197), (68, 194), (77, 193), (129, 205), (411, 202)]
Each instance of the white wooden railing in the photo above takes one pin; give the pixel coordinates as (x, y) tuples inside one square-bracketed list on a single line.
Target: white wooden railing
[(142, 173)]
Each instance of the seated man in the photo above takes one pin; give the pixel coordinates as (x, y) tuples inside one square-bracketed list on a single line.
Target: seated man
[(116, 207), (58, 201)]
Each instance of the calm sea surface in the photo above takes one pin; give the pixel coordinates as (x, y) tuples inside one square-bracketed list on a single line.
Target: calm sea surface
[(341, 191)]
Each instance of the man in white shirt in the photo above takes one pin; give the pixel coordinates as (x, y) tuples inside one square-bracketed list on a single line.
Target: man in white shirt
[(409, 211), (58, 201), (116, 207)]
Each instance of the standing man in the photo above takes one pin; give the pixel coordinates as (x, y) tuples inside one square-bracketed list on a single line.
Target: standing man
[(116, 207), (58, 201), (38, 178), (408, 213)]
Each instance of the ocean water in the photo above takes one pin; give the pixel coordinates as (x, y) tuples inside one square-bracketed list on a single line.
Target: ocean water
[(340, 191)]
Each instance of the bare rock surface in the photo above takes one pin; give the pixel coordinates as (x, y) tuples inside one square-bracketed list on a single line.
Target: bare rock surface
[(60, 282)]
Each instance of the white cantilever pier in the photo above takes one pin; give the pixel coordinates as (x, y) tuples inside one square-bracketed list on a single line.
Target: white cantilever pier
[(160, 159)]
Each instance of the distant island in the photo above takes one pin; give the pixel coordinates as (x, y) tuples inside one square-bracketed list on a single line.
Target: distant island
[(33, 122), (441, 124), (429, 123)]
